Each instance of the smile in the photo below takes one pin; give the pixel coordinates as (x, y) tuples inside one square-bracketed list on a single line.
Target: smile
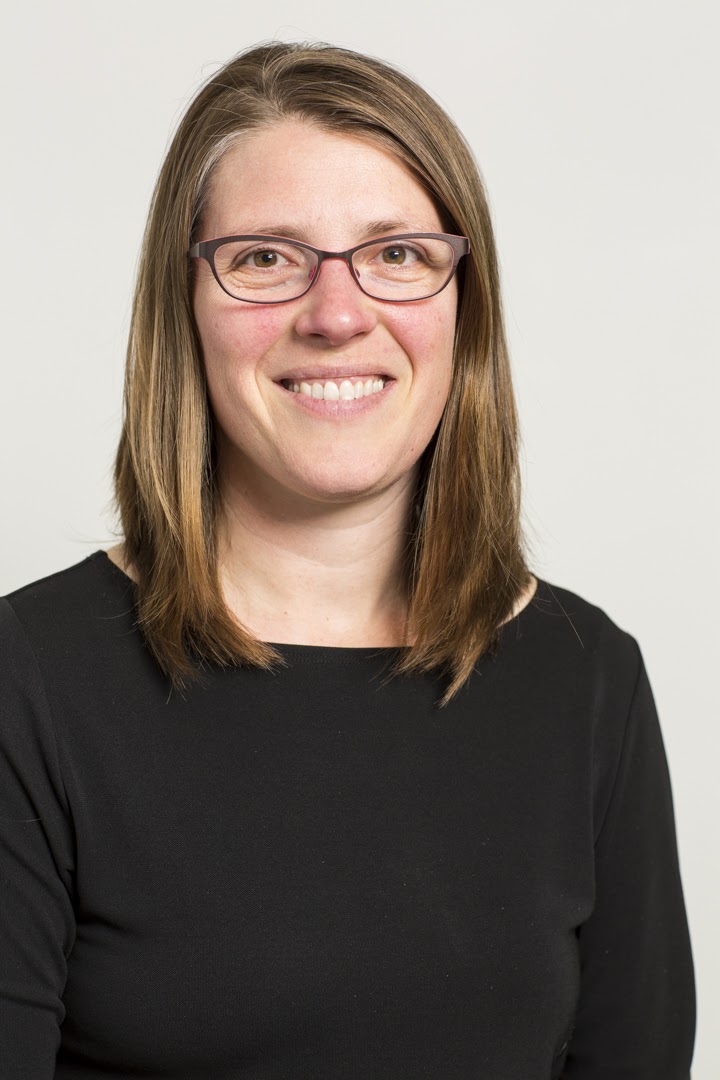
[(337, 389)]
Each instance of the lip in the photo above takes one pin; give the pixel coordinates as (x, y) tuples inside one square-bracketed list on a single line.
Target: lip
[(339, 410), (338, 371)]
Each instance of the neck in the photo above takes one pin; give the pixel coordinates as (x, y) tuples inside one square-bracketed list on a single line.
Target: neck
[(298, 571)]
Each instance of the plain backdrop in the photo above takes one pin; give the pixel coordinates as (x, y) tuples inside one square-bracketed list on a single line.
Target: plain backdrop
[(596, 130)]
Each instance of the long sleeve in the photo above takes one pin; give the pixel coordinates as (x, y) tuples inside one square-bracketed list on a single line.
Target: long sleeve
[(636, 1014), (317, 873), (37, 925)]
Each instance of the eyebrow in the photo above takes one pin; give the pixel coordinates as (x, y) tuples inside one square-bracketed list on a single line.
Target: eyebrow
[(381, 227)]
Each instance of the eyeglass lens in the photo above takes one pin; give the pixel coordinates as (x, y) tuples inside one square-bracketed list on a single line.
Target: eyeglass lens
[(267, 271)]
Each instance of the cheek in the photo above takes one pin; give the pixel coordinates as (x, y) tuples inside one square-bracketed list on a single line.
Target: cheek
[(428, 341), (235, 336)]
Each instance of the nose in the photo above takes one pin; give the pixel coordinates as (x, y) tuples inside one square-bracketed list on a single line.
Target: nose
[(335, 309)]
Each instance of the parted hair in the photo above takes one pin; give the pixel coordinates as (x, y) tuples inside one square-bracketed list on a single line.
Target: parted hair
[(465, 566)]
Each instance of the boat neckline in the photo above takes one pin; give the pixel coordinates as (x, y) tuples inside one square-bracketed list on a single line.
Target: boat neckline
[(296, 648)]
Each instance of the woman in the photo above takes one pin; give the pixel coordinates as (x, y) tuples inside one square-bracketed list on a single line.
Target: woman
[(310, 776)]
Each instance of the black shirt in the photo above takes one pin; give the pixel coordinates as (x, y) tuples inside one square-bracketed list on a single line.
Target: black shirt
[(319, 874)]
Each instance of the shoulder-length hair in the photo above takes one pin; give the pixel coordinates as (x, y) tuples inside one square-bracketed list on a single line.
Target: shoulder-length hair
[(465, 567)]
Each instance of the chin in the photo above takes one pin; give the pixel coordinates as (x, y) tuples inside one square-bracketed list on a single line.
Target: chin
[(343, 488), (343, 493)]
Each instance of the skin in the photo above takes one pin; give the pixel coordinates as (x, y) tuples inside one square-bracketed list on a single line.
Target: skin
[(316, 500)]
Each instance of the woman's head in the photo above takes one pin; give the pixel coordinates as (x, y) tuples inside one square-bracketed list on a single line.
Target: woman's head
[(265, 355), (166, 480)]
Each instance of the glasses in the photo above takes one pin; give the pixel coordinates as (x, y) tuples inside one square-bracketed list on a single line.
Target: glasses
[(273, 269)]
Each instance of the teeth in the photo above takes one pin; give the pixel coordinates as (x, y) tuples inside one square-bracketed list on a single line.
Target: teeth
[(337, 390)]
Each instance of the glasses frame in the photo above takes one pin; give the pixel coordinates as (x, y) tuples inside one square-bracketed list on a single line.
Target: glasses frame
[(206, 249)]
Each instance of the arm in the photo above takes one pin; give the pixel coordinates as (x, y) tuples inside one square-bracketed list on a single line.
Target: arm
[(37, 924), (636, 1013)]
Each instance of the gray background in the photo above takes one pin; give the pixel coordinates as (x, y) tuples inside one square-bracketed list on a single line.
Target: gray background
[(595, 126)]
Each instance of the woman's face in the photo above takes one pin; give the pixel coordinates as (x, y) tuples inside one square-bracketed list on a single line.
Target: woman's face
[(332, 191)]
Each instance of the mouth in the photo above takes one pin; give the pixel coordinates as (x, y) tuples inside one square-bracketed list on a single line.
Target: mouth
[(349, 388)]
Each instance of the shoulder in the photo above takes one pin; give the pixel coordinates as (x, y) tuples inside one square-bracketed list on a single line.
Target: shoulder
[(581, 675), (569, 636), (65, 611), (83, 582), (572, 615)]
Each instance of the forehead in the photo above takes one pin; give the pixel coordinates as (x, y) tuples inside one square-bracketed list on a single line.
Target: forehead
[(324, 183)]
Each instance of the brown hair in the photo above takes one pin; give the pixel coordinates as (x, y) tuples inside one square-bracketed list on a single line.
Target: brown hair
[(465, 567)]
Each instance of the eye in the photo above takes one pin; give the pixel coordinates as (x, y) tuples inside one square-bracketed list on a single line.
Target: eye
[(263, 258), (398, 255)]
